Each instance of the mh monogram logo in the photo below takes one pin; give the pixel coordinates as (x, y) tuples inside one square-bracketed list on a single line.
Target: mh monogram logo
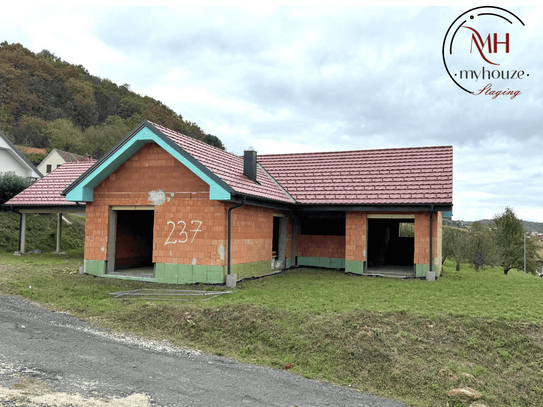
[(471, 54), (480, 45)]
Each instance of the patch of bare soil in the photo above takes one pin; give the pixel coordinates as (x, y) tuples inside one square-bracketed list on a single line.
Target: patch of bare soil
[(35, 392)]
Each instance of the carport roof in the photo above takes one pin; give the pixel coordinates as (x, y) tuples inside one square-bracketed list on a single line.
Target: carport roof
[(46, 191)]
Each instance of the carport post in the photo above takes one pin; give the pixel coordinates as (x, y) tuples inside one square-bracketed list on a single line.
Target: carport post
[(22, 233), (59, 231)]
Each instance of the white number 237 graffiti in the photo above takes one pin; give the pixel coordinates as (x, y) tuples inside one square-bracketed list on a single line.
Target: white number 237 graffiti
[(184, 236)]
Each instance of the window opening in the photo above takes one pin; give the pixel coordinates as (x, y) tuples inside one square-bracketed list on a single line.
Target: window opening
[(406, 229), (322, 223)]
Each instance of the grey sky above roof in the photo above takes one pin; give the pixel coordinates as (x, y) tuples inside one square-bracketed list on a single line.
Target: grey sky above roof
[(288, 80)]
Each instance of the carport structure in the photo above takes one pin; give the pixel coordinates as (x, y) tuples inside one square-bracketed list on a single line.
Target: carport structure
[(44, 196)]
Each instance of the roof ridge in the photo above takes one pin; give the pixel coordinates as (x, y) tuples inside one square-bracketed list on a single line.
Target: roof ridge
[(359, 151), (192, 138)]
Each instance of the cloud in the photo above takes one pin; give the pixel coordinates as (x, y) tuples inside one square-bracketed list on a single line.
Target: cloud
[(295, 79)]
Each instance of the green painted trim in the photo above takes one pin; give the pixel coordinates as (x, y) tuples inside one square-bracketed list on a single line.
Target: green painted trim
[(288, 262), (95, 267), (83, 192), (322, 262), (188, 274), (254, 269), (337, 263), (421, 269), (184, 275), (355, 267)]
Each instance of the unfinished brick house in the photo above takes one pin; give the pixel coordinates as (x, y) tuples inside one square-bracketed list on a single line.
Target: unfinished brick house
[(163, 207)]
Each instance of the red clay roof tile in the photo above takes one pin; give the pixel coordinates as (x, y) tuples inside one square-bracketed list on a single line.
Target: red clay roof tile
[(394, 176), (227, 166), (47, 190)]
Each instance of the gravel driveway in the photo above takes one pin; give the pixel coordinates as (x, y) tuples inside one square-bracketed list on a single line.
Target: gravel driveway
[(52, 359)]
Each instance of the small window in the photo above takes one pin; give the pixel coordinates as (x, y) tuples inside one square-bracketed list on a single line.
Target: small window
[(58, 165), (48, 168), (407, 229)]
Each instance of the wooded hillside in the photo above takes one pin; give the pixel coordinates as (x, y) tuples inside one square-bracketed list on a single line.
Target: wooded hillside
[(50, 103)]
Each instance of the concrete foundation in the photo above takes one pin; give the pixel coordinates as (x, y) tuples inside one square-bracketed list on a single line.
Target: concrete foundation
[(231, 280)]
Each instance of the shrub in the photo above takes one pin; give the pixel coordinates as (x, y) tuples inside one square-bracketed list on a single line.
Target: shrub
[(11, 185)]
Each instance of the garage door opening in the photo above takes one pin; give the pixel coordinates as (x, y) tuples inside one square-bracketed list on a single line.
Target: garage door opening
[(131, 241), (391, 246)]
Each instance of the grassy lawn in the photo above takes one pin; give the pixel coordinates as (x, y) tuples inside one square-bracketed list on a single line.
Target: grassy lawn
[(409, 340)]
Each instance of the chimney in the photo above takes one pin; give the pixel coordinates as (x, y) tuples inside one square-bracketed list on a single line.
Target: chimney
[(249, 163)]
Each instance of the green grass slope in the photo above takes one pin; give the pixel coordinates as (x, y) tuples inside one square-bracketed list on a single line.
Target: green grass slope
[(41, 232), (409, 340)]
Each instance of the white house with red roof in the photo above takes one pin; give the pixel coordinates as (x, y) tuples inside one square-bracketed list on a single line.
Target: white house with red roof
[(164, 207), (56, 158), (12, 161)]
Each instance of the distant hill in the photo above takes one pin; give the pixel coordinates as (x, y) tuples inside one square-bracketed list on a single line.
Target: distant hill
[(533, 227), (46, 102)]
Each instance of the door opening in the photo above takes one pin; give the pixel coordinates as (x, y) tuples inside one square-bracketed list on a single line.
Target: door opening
[(131, 245), (391, 243)]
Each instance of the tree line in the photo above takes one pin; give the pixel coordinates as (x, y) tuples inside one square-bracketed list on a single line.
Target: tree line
[(49, 103), (501, 244)]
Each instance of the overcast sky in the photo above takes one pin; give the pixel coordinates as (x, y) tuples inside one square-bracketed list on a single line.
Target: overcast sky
[(288, 80)]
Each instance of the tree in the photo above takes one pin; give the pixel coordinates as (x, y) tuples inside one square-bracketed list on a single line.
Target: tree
[(213, 141), (481, 246), (64, 135), (98, 140), (509, 234), (11, 185), (455, 245)]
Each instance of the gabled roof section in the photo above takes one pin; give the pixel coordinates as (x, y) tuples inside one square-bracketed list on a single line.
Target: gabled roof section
[(222, 171), (47, 191), (229, 168), (372, 177), (20, 156), (70, 157)]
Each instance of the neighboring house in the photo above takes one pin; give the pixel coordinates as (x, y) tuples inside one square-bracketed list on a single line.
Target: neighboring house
[(56, 158), (12, 161), (187, 212), (44, 196)]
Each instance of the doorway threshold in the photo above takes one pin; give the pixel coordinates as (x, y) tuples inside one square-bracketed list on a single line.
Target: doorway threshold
[(391, 271), (137, 273)]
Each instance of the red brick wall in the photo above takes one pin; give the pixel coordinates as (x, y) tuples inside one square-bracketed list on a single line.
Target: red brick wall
[(252, 232), (177, 219), (422, 237), (320, 246), (355, 239), (187, 200)]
